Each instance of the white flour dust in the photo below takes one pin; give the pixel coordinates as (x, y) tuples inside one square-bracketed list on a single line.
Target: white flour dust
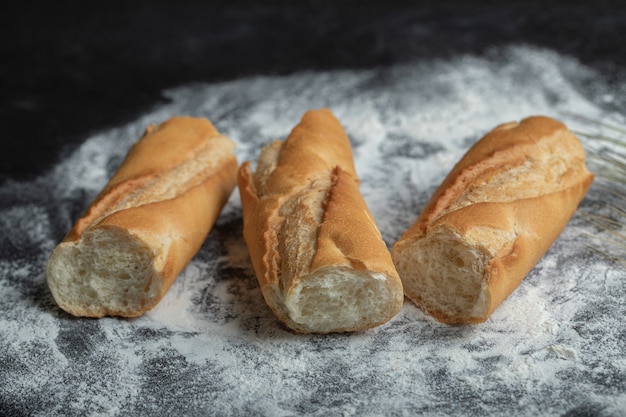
[(556, 345)]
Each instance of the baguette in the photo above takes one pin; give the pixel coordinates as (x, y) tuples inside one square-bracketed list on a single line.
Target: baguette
[(492, 219), (320, 260), (151, 218)]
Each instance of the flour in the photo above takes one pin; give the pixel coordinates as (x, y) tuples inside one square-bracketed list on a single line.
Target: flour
[(556, 344)]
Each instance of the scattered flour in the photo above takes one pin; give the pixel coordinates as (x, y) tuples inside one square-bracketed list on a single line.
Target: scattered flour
[(212, 345)]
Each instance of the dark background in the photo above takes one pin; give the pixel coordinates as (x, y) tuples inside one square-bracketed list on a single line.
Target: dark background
[(69, 69)]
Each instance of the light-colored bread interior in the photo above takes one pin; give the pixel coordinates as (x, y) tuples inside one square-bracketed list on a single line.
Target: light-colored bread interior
[(337, 298), (491, 219), (108, 270), (319, 257), (446, 273), (327, 299), (120, 258)]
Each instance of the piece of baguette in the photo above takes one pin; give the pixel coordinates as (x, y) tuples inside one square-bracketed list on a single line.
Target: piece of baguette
[(152, 217), (319, 258), (492, 219)]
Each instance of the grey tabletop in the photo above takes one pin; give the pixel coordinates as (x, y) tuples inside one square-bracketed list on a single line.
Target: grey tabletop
[(556, 346)]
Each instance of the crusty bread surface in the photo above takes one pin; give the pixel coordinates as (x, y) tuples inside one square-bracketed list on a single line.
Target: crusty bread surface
[(124, 253), (493, 217), (319, 258)]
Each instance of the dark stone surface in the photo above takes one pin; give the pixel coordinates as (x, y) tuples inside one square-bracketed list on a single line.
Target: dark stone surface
[(69, 69), (415, 86)]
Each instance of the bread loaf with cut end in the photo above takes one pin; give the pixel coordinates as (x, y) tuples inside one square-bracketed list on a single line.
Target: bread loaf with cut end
[(493, 217), (319, 258), (124, 253)]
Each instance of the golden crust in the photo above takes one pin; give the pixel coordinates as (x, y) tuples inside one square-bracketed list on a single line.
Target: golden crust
[(348, 234), (303, 213), (534, 208), (172, 220)]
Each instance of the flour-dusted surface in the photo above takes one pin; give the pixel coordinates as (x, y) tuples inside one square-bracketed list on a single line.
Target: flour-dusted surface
[(557, 346)]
